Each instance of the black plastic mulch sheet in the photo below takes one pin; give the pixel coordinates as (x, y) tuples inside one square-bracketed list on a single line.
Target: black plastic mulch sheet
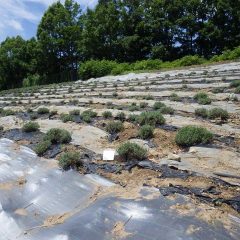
[(33, 190)]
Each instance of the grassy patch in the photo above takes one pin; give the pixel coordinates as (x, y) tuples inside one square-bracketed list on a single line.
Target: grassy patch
[(30, 127), (70, 160), (146, 132), (151, 118), (114, 127)]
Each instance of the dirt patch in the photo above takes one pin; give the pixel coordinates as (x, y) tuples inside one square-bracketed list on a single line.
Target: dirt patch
[(56, 219), (130, 131), (119, 231), (165, 142)]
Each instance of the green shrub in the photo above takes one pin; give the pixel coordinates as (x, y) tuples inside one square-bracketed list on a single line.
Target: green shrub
[(191, 135), (88, 115), (30, 127), (70, 160), (151, 118), (218, 113), (132, 117), (95, 68), (33, 116), (150, 64), (188, 61), (143, 105), (75, 112), (131, 151), (114, 127), (32, 80), (8, 112), (43, 110), (56, 135), (237, 90), (133, 108), (121, 68), (107, 114), (42, 147), (148, 97), (146, 132), (201, 112), (66, 118), (235, 83), (158, 105), (202, 98), (174, 97), (121, 116), (167, 110), (218, 90)]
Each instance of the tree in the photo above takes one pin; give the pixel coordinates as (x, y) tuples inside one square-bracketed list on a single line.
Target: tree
[(58, 34)]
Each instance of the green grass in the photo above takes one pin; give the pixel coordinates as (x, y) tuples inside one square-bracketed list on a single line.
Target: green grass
[(70, 160), (30, 127), (146, 132), (151, 118), (114, 127), (57, 135)]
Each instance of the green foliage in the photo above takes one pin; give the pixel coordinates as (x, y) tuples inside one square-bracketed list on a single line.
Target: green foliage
[(146, 132), (42, 147), (192, 135), (147, 64), (158, 105), (7, 112), (218, 113), (151, 118), (201, 112), (174, 97), (237, 90), (131, 151), (167, 110), (88, 115), (188, 61), (30, 127), (121, 116), (121, 68), (75, 112), (143, 105), (202, 98), (133, 108), (43, 110), (132, 117), (31, 80), (57, 135), (95, 69), (114, 127), (70, 160), (235, 83), (107, 114), (66, 118)]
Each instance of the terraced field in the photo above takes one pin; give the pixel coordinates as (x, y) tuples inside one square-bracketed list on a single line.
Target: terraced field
[(196, 189)]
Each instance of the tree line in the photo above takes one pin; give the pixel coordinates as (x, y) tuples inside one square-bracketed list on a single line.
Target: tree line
[(119, 30)]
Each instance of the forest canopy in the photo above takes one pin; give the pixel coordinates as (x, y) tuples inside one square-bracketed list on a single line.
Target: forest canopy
[(118, 32)]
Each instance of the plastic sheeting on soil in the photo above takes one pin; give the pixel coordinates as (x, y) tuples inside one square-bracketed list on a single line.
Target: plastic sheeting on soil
[(40, 202)]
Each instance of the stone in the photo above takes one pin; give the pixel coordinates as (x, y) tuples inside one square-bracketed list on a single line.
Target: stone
[(174, 157)]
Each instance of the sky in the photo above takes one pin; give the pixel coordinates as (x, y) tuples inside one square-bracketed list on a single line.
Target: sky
[(21, 17)]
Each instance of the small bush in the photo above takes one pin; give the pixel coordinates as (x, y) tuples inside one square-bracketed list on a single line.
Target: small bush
[(143, 105), (174, 97), (188, 61), (1, 128), (167, 110), (56, 135), (158, 105), (30, 127), (148, 97), (218, 113), (66, 118), (237, 90), (88, 115), (107, 114), (133, 108), (132, 117), (70, 160), (43, 110), (95, 68), (75, 112), (121, 116), (150, 64), (42, 147), (201, 112), (146, 132), (202, 98), (131, 151), (33, 116), (8, 112), (151, 118), (114, 127), (191, 135), (218, 90), (121, 68), (235, 83)]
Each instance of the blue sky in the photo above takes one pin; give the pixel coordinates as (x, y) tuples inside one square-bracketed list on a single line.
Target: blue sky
[(21, 17)]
